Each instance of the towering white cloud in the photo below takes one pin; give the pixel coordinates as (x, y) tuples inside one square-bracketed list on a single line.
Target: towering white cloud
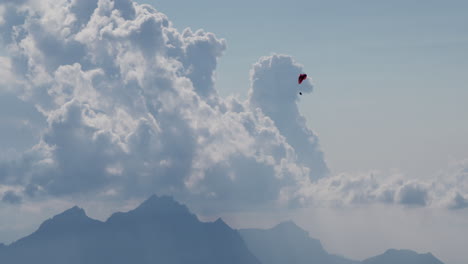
[(131, 110), (275, 91)]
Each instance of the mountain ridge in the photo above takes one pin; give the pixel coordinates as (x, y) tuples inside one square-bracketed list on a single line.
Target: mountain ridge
[(163, 230)]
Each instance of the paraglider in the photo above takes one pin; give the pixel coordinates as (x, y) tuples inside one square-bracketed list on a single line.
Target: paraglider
[(301, 78)]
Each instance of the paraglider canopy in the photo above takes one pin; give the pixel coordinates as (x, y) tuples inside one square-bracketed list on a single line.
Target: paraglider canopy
[(301, 78)]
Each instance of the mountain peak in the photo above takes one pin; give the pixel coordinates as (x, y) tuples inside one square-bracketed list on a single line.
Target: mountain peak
[(74, 213), (220, 221), (403, 256), (289, 226), (161, 207), (72, 217), (396, 251), (158, 200), (161, 204)]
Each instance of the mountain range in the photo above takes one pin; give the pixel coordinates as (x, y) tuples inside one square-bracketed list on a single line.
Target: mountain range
[(162, 230)]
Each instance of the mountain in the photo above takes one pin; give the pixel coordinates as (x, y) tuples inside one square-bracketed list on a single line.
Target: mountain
[(392, 256), (288, 243), (160, 230)]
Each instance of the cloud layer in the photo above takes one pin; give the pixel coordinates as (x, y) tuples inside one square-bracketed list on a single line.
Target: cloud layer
[(121, 104)]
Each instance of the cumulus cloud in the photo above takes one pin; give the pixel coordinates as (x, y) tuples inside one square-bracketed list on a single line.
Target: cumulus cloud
[(275, 90), (131, 109)]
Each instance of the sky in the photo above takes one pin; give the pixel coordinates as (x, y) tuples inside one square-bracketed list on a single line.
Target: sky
[(105, 102), (390, 75)]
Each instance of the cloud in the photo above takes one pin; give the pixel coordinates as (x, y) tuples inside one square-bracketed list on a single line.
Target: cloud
[(11, 197), (453, 186), (458, 202), (275, 91), (131, 109), (412, 194), (127, 107), (448, 190)]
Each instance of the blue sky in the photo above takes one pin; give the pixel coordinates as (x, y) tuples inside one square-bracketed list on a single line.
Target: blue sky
[(102, 109), (390, 76)]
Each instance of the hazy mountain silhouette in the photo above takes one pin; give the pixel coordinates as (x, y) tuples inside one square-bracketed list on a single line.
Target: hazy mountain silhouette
[(288, 243), (392, 256), (160, 230)]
